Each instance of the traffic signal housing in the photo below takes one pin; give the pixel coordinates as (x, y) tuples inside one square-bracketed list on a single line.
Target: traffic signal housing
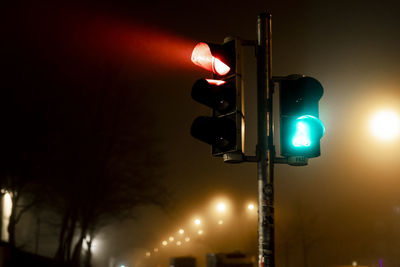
[(300, 126), (223, 130)]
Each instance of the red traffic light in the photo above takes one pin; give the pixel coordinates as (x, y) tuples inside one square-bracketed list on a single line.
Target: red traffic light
[(215, 82), (202, 56)]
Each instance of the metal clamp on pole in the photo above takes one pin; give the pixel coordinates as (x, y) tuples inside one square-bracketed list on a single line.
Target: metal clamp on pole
[(233, 157)]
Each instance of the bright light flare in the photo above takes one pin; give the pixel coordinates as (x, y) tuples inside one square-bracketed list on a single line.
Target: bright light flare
[(221, 207), (181, 231), (7, 206), (250, 206), (197, 222), (94, 246), (171, 238), (385, 125), (202, 57), (164, 243), (200, 232)]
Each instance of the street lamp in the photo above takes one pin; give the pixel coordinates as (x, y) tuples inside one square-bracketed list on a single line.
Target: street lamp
[(5, 215), (197, 222), (385, 125), (221, 207), (250, 206)]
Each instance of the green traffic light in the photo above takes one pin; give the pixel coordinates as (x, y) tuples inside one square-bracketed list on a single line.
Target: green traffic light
[(302, 135), (308, 128)]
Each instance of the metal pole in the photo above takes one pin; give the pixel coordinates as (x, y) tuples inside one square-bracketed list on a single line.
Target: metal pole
[(265, 146)]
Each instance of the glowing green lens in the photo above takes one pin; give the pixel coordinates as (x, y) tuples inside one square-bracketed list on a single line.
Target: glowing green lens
[(302, 135)]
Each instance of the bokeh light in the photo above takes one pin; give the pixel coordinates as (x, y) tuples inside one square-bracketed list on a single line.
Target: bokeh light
[(221, 207), (385, 125)]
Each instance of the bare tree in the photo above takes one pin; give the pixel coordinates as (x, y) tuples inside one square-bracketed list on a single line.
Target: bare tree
[(103, 161)]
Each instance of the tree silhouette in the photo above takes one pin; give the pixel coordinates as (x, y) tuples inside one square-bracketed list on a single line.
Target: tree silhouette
[(77, 142)]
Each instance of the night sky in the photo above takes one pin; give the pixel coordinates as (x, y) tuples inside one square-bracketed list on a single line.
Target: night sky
[(349, 198)]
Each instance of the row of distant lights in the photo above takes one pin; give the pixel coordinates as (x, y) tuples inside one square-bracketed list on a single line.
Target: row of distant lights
[(171, 239), (221, 207)]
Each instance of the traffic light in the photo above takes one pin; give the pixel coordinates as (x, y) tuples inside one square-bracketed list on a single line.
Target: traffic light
[(300, 126), (223, 129)]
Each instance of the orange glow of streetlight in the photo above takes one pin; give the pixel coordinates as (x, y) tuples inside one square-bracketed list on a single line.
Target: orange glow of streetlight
[(385, 125), (181, 231), (197, 222), (187, 239), (164, 243), (178, 243), (171, 238), (250, 206), (220, 222), (221, 207), (200, 232)]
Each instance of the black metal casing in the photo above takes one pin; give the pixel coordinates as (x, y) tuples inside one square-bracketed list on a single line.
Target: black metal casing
[(299, 96)]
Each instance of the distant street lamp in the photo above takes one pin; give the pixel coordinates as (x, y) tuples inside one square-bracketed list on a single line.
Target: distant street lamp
[(250, 206), (164, 243), (221, 207), (5, 214), (200, 232), (197, 222), (181, 231), (385, 125)]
